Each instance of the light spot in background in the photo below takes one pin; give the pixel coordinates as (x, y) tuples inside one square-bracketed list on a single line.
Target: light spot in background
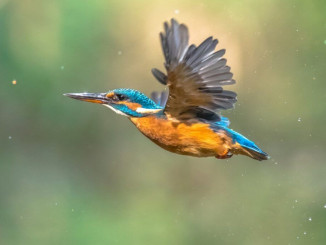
[(304, 233), (310, 219), (325, 42), (62, 67), (10, 137), (176, 11), (119, 52), (14, 82), (325, 206), (299, 119)]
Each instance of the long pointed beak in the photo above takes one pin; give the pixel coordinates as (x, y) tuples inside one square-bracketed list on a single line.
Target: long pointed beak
[(99, 98)]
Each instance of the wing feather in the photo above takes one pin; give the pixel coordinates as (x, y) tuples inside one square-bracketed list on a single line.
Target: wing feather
[(195, 76)]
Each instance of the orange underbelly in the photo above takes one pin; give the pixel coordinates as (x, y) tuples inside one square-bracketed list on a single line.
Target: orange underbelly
[(188, 139)]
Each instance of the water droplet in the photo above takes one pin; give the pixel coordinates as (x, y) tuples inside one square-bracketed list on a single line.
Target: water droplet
[(310, 219), (10, 137), (299, 119), (119, 52), (176, 11)]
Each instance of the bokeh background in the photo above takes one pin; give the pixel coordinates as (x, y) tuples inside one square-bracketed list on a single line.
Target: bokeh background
[(76, 173)]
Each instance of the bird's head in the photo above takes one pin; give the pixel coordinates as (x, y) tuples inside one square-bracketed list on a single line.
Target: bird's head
[(127, 102)]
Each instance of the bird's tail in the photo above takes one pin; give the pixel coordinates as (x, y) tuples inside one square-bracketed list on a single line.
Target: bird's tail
[(248, 147), (257, 154)]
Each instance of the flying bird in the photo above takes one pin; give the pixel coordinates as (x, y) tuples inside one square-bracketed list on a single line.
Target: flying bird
[(187, 119)]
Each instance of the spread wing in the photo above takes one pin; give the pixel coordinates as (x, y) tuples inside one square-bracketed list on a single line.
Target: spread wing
[(195, 76)]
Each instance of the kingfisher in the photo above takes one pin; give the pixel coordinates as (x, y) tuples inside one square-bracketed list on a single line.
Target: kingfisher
[(185, 118)]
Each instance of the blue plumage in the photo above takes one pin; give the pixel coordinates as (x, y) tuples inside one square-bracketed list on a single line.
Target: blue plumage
[(133, 96), (239, 138), (137, 97)]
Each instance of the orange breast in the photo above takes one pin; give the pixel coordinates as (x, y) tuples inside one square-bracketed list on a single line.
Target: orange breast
[(195, 139)]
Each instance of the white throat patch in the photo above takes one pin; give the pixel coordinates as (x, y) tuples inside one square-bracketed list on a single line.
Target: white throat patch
[(147, 111), (115, 110)]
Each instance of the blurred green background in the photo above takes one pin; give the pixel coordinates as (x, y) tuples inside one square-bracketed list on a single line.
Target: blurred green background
[(76, 173)]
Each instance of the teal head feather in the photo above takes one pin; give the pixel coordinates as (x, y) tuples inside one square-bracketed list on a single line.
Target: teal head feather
[(127, 102)]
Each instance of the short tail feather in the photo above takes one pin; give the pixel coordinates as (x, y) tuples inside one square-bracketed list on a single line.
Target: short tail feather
[(248, 147), (253, 153)]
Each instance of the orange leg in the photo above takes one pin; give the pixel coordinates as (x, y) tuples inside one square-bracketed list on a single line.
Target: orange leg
[(227, 154)]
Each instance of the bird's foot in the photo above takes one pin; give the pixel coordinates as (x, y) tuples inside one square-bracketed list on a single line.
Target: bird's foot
[(227, 155)]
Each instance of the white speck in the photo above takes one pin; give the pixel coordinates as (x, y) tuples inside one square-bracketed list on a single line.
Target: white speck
[(176, 11), (297, 30), (62, 67), (296, 201), (299, 119), (119, 52), (72, 210), (325, 206), (56, 204), (298, 237), (310, 219), (275, 162), (10, 137), (304, 233)]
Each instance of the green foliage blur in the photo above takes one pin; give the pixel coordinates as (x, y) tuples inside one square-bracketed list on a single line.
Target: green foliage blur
[(77, 173)]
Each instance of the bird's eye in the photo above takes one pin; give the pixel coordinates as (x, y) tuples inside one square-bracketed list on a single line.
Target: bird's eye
[(121, 96)]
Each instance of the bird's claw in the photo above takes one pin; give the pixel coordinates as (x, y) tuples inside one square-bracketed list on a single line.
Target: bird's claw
[(227, 155)]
